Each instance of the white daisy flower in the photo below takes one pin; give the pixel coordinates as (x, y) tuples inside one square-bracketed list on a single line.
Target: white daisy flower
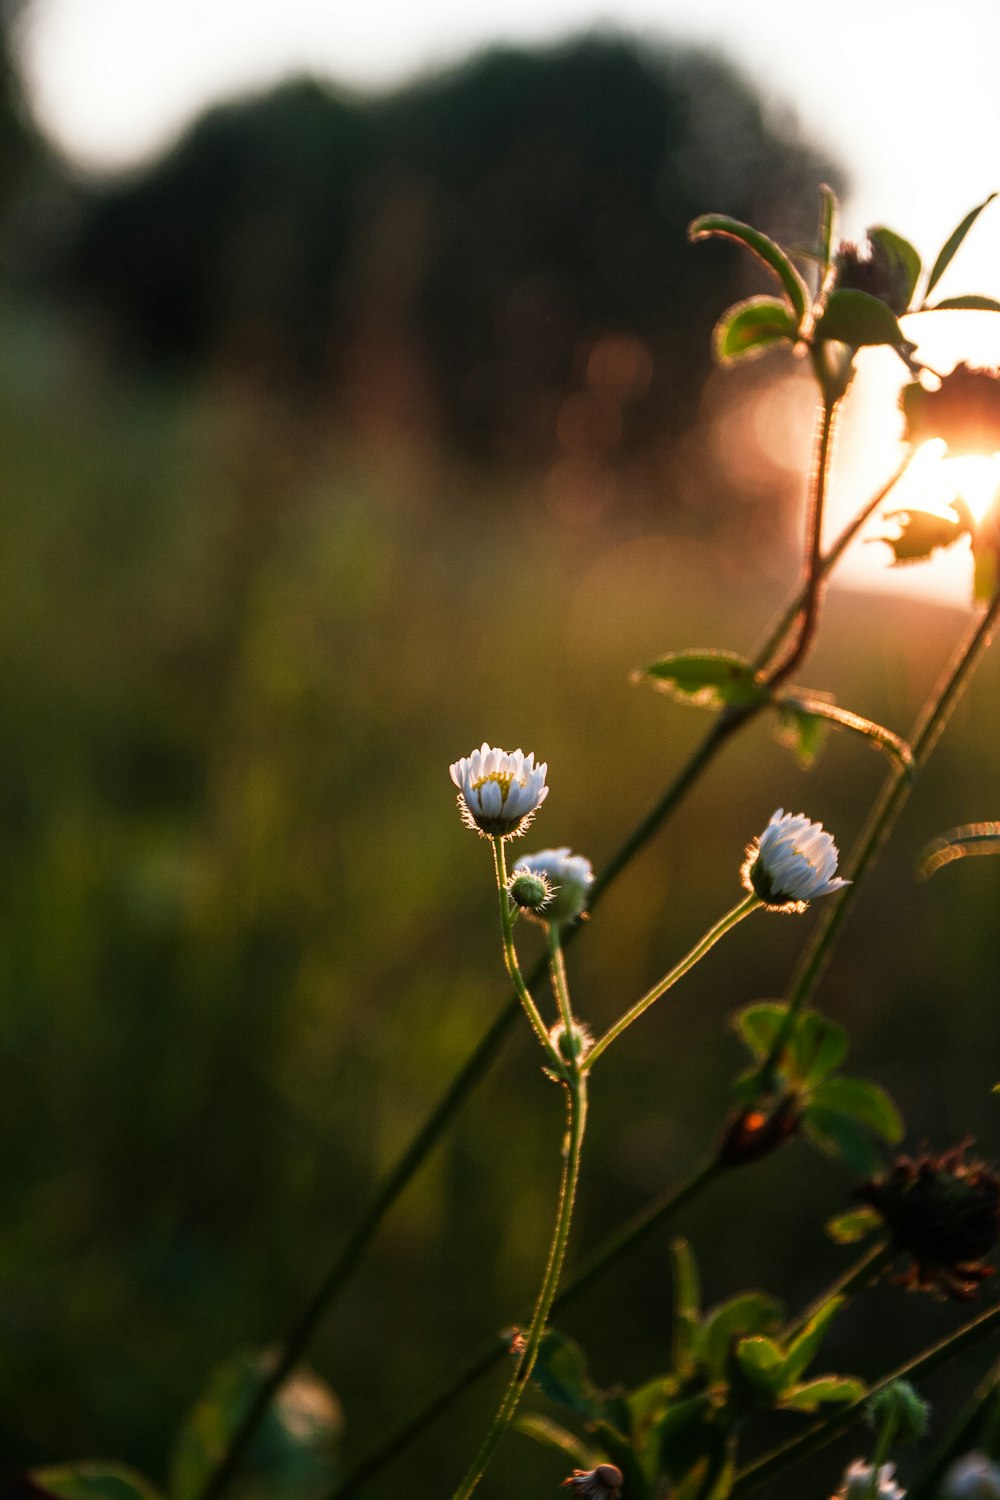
[(974, 1477), (498, 794), (570, 877), (791, 863), (857, 1483), (603, 1483)]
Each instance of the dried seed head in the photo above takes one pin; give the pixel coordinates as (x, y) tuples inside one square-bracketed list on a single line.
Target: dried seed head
[(963, 412), (944, 1212)]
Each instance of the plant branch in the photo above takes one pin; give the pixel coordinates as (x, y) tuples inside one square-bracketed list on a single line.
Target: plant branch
[(576, 1106)]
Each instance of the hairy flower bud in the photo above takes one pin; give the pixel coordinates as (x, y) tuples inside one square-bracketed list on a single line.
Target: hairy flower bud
[(572, 1045), (898, 1405), (569, 876), (532, 893)]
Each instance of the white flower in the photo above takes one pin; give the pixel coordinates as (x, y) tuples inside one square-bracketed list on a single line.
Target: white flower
[(570, 876), (974, 1477), (791, 863), (857, 1483), (603, 1483), (498, 793)]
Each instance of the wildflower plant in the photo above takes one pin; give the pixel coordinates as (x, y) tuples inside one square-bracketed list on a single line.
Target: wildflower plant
[(928, 1221)]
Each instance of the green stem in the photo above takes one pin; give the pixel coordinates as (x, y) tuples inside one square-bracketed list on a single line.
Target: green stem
[(743, 909), (959, 1438), (881, 820), (486, 1051), (820, 1433), (510, 955), (661, 1208), (576, 1105), (557, 971), (829, 560), (856, 1277)]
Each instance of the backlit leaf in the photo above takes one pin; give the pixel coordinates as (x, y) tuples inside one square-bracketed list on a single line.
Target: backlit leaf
[(824, 1390), (751, 328), (857, 318), (952, 244), (959, 843), (766, 251), (854, 1225), (92, 1481), (863, 1101), (708, 679)]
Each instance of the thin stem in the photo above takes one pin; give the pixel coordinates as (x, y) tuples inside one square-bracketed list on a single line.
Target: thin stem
[(881, 820), (814, 571), (711, 937), (829, 559), (557, 970), (957, 1440), (655, 1213), (576, 1105), (484, 1054), (821, 1433), (510, 954), (854, 1279)]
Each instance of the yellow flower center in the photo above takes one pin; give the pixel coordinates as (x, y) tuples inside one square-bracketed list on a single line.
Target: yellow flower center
[(503, 780)]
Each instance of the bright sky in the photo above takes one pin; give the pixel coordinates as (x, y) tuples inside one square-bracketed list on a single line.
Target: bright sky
[(903, 92)]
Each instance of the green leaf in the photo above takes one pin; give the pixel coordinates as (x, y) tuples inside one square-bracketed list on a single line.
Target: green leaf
[(866, 1102), (817, 1049), (877, 735), (687, 1432), (800, 731), (751, 328), (857, 318), (952, 244), (561, 1373), (843, 1138), (759, 1025), (552, 1435), (93, 1481), (854, 1225), (294, 1454), (767, 252), (747, 1314), (707, 679), (825, 1389), (959, 843), (970, 303), (763, 1363), (903, 260), (687, 1304), (803, 1349), (921, 533)]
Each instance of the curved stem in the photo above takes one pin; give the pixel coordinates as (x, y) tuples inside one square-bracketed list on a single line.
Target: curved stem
[(711, 937), (814, 571), (557, 970), (510, 955), (656, 1212), (821, 1433), (880, 822), (576, 1105)]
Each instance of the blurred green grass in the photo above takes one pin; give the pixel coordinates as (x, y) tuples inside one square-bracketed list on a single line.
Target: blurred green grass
[(245, 941)]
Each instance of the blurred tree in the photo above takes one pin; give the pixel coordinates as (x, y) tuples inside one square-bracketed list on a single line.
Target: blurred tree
[(451, 256)]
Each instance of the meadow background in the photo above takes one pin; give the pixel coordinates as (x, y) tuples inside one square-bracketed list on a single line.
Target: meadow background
[(350, 434)]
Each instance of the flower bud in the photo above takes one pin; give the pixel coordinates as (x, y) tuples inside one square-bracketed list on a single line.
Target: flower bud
[(603, 1483), (570, 877), (899, 1405), (857, 1483), (974, 1477), (532, 893), (572, 1045), (791, 863)]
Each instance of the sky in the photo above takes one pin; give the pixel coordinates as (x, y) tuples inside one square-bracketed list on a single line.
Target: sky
[(904, 94)]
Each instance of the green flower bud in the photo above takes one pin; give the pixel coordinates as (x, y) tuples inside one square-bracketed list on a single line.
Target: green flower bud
[(532, 893), (899, 1407)]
